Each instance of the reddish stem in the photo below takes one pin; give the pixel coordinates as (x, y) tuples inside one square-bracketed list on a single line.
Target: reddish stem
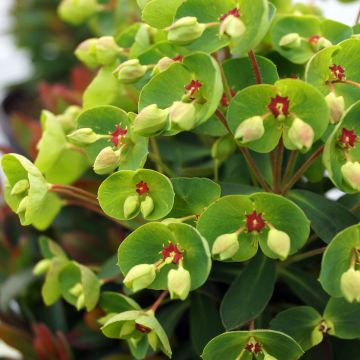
[(159, 300), (255, 67)]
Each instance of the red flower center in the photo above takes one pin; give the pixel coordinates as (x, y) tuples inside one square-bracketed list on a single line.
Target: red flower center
[(141, 328), (172, 251), (142, 188), (233, 12), (193, 87), (253, 348), (314, 39), (337, 71), (178, 58), (348, 138), (117, 135), (254, 222), (279, 105)]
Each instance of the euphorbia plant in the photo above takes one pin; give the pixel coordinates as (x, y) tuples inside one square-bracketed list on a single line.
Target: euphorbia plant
[(213, 130)]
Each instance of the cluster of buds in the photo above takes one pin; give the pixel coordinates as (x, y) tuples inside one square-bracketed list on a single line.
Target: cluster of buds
[(227, 245), (178, 278), (130, 71), (98, 51), (350, 281), (77, 11), (336, 105)]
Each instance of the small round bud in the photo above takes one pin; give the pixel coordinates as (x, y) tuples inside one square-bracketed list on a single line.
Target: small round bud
[(69, 117), (151, 121), (77, 11), (42, 267), (301, 134), (147, 206), (279, 243), (179, 283), (223, 148), (84, 136), (76, 290), (86, 53), (250, 129), (182, 115), (226, 246), (130, 71), (322, 43), (140, 276), (185, 30), (80, 302), (107, 50), (350, 285), (131, 206), (162, 65), (290, 41), (232, 26), (336, 105), (20, 187), (23, 205), (106, 161), (351, 173)]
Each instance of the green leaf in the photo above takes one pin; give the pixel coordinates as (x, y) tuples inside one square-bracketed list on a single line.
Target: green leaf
[(50, 249), (113, 302), (344, 318), (327, 217), (193, 195), (230, 345), (144, 244), (257, 281), (301, 323), (118, 187), (337, 259)]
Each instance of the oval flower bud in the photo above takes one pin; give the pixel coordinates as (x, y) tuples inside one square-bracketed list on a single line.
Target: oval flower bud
[(42, 267), (279, 243), (80, 302), (232, 26), (140, 276), (322, 43), (290, 41), (76, 290), (130, 71), (350, 285), (131, 206), (301, 134), (179, 283), (77, 11), (68, 118), (20, 187), (185, 30), (336, 105), (84, 136), (250, 129), (223, 148), (162, 65), (226, 246), (107, 50), (86, 53), (151, 121), (147, 206), (351, 173), (182, 115), (23, 205), (106, 161)]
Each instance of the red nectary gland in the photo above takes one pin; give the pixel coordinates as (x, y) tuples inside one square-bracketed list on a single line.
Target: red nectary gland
[(255, 222), (279, 105), (253, 348), (233, 12), (141, 328), (142, 188), (193, 87), (348, 138), (224, 99), (338, 71), (117, 135), (314, 39), (172, 251), (178, 58)]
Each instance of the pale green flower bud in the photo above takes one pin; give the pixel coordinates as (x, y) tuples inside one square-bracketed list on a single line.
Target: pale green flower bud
[(223, 148), (80, 302), (107, 50), (351, 173), (20, 187), (290, 41), (130, 71), (232, 26), (162, 65), (322, 43), (86, 53), (279, 243), (84, 136), (250, 129), (350, 285), (336, 105), (151, 121), (23, 205), (226, 246), (182, 115), (42, 267), (76, 290), (301, 134), (147, 206), (107, 161), (179, 283), (69, 117), (77, 11), (185, 30), (131, 206), (140, 276)]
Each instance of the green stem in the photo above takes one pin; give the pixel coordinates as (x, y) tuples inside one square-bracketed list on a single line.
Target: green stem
[(255, 67), (278, 167), (305, 255), (157, 158), (216, 170)]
